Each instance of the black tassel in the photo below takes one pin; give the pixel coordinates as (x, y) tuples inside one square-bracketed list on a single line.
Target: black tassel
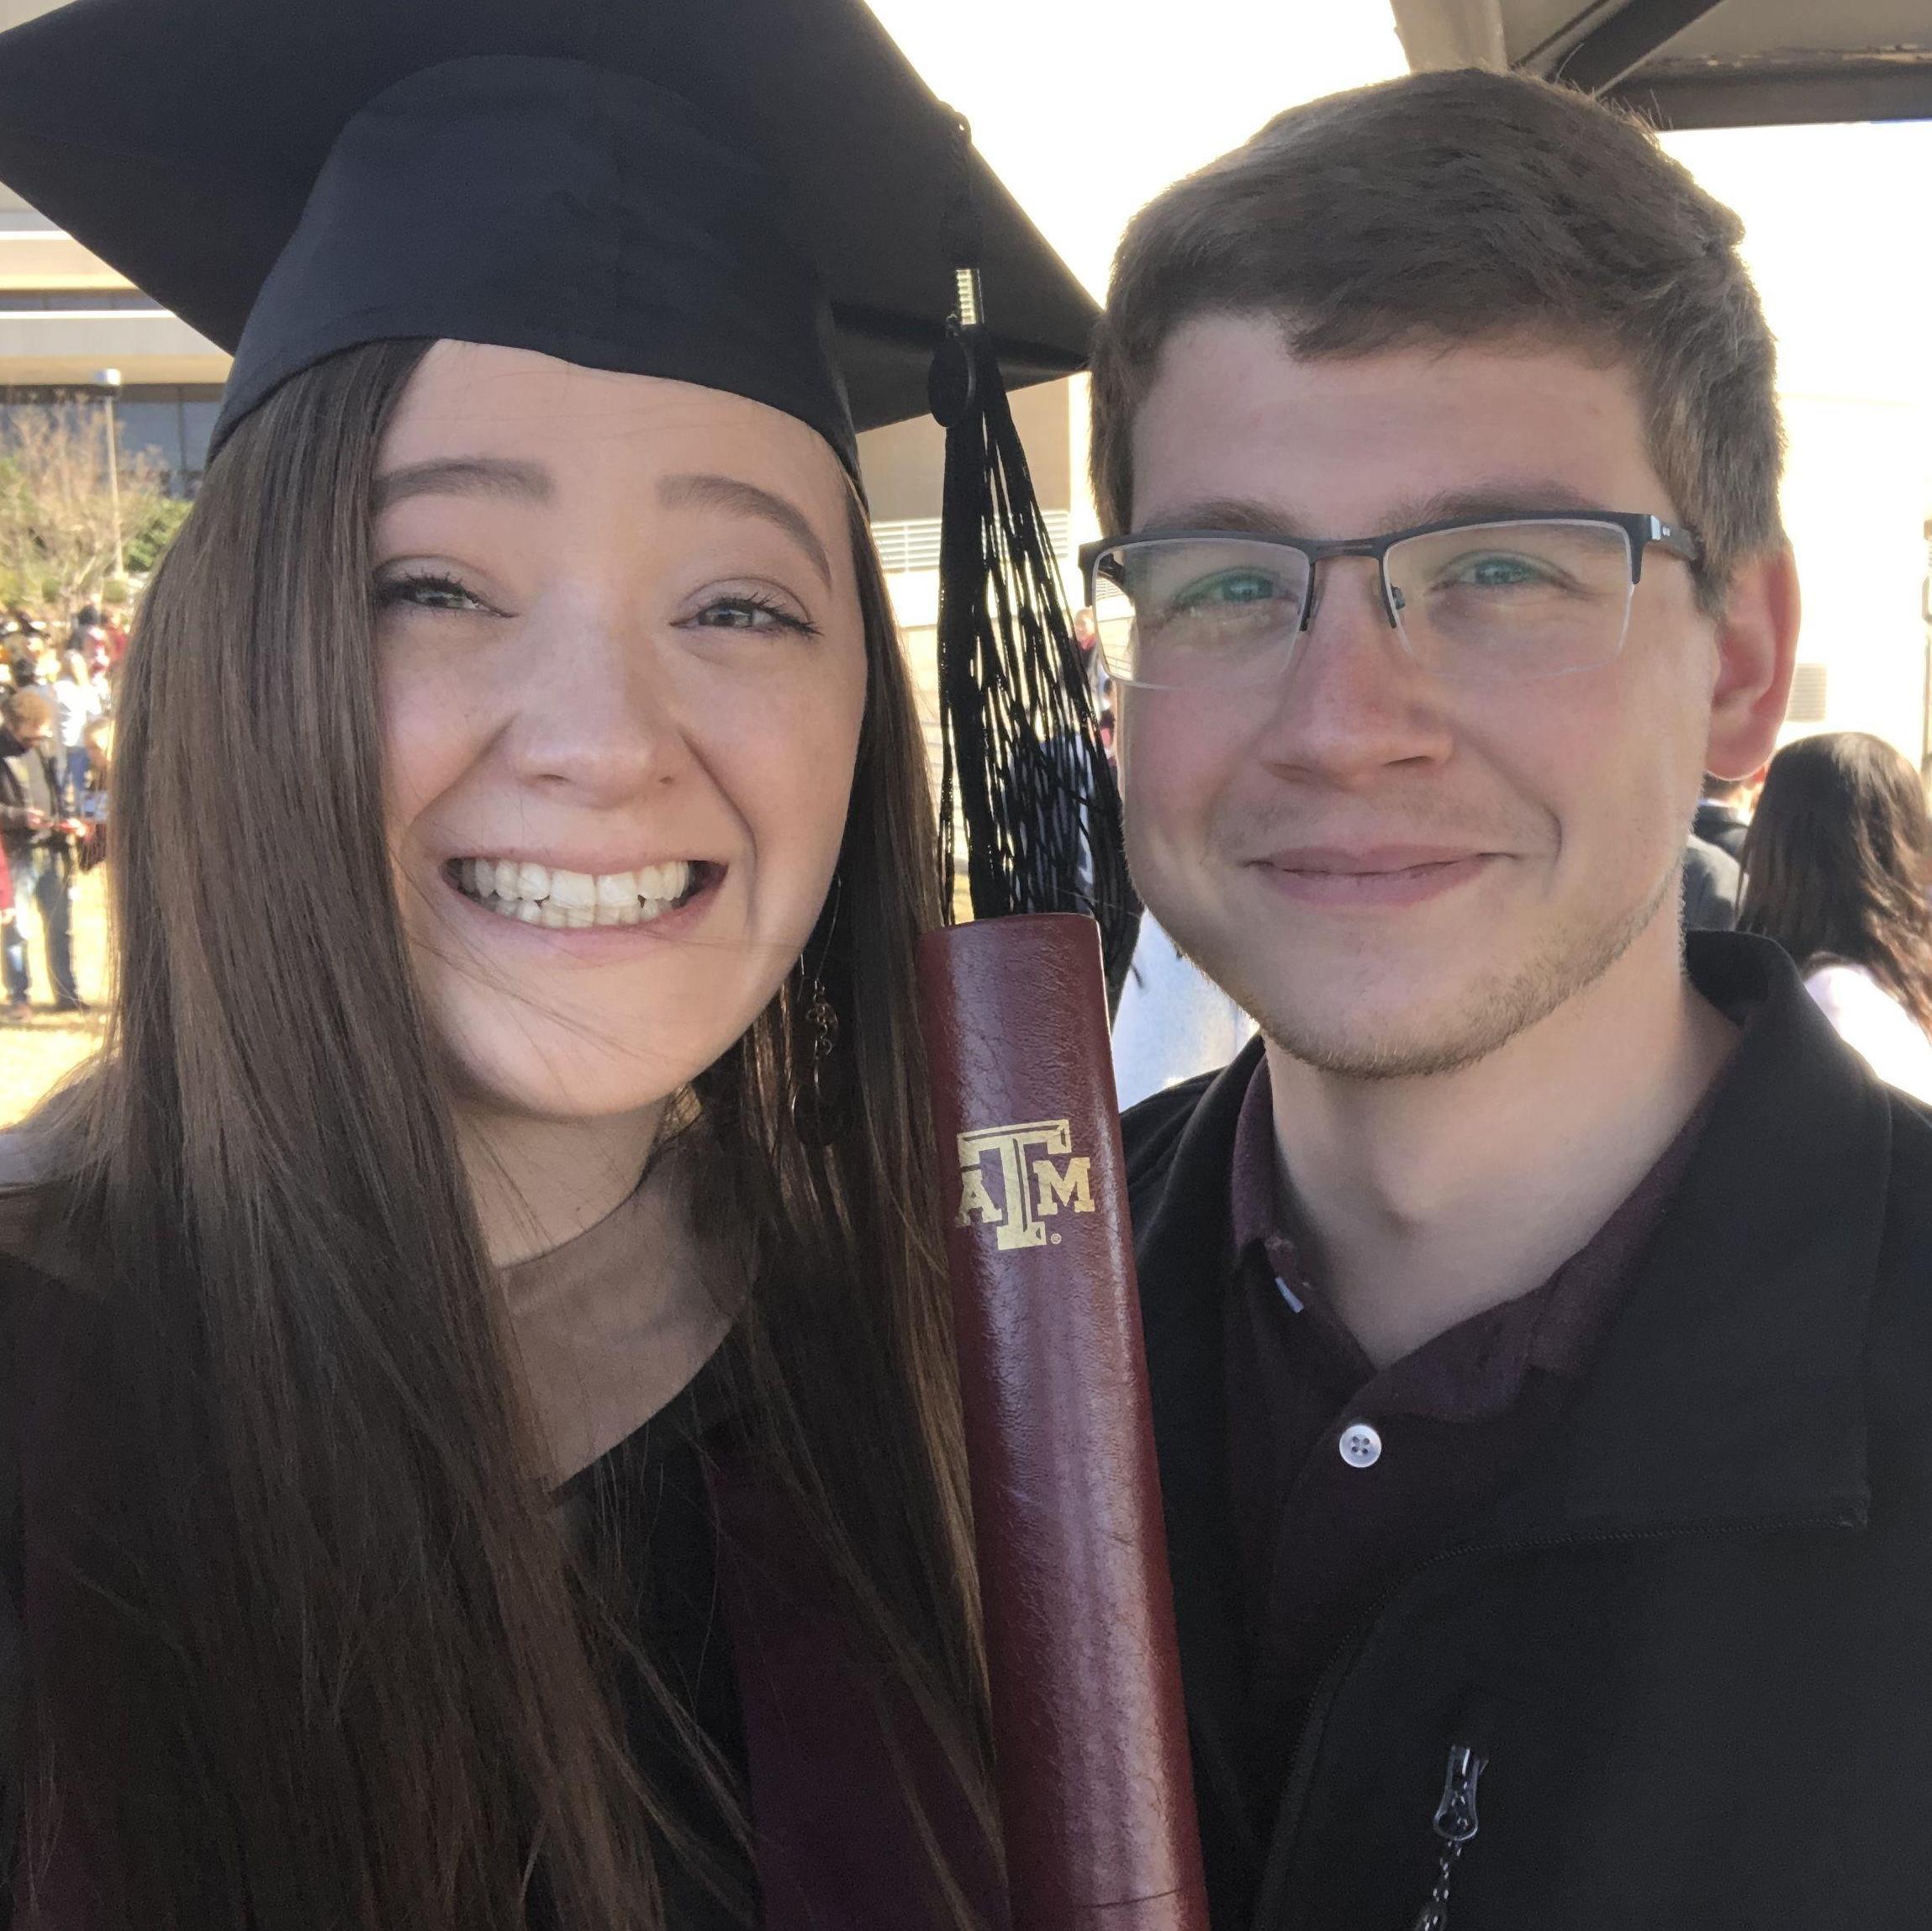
[(1022, 758)]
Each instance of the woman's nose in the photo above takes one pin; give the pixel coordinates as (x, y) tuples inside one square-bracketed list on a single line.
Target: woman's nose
[(598, 715)]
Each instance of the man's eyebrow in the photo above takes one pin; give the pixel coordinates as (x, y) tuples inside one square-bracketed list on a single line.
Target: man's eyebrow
[(1238, 515), (463, 476), (1512, 496), (738, 497), (1248, 516)]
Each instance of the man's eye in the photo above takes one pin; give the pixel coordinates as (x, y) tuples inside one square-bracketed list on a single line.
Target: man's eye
[(427, 592), (1500, 573), (1233, 589), (1242, 587)]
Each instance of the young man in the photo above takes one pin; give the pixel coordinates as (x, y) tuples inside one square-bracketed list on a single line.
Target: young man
[(1540, 1331), (35, 836)]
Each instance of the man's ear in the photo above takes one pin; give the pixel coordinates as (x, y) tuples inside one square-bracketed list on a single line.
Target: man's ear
[(1756, 653)]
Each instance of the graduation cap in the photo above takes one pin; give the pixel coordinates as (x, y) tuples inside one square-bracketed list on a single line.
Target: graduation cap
[(756, 196)]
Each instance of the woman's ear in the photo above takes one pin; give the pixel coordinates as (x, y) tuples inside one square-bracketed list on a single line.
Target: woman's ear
[(1756, 653)]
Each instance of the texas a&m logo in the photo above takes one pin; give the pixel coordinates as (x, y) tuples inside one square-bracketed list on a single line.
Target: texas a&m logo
[(1036, 1174)]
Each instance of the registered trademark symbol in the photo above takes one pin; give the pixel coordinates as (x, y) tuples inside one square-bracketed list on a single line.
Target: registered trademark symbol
[(1054, 1238)]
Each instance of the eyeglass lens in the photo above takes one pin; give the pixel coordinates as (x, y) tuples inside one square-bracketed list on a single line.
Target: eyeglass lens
[(1489, 601)]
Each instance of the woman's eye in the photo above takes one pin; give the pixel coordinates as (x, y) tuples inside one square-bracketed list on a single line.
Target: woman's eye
[(745, 612), (427, 592)]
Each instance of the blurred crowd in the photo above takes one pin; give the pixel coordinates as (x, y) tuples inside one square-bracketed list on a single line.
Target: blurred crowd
[(56, 743), (1828, 850)]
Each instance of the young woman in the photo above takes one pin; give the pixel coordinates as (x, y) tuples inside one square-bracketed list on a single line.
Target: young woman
[(483, 1439), (1838, 863), (79, 704)]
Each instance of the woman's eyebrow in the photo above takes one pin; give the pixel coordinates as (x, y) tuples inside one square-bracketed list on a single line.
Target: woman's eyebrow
[(738, 497), (463, 476)]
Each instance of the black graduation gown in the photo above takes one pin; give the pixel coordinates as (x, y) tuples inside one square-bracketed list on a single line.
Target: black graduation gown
[(718, 1584)]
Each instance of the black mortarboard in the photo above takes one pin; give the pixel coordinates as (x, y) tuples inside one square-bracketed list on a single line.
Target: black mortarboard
[(758, 196), (659, 186)]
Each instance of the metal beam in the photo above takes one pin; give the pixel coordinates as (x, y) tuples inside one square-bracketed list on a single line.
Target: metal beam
[(1614, 50), (1788, 94)]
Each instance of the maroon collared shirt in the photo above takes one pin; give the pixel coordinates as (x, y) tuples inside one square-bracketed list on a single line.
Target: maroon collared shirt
[(1345, 1478)]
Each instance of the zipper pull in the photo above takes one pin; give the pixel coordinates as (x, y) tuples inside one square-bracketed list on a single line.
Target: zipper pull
[(1455, 1824)]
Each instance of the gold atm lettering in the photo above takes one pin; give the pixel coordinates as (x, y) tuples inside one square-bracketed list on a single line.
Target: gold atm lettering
[(1026, 1152)]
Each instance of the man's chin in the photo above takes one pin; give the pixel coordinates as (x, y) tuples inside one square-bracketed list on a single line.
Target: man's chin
[(1359, 1022), (1404, 1045)]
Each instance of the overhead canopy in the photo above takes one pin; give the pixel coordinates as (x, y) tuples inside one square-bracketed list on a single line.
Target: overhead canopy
[(1697, 63)]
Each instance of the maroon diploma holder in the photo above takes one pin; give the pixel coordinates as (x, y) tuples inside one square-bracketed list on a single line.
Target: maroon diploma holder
[(1089, 1726)]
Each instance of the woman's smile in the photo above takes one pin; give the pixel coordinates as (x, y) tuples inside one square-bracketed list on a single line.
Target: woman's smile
[(552, 896), (605, 910)]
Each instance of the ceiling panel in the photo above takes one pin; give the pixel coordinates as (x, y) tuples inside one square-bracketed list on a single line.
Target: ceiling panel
[(1699, 63)]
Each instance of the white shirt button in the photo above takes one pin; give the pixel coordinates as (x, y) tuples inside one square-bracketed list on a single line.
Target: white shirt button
[(1361, 1446)]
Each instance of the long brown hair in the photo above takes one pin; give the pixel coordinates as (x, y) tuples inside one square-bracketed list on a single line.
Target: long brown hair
[(332, 1667), (1837, 861)]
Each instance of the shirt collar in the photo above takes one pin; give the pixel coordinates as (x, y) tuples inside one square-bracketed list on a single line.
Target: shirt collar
[(1729, 1387)]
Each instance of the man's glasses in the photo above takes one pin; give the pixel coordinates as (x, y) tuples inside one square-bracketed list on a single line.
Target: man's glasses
[(1492, 599)]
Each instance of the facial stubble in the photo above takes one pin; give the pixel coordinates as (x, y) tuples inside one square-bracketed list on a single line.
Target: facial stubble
[(1493, 1010)]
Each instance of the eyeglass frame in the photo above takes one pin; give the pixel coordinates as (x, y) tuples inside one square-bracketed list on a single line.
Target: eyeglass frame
[(1641, 529)]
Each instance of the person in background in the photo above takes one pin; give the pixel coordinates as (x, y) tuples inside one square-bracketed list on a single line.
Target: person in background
[(1837, 861), (1724, 813), (36, 835), (1714, 882), (8, 932), (93, 804), (42, 666), (78, 704), (114, 634), (85, 619)]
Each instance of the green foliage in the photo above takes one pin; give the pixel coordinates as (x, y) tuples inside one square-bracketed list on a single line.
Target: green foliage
[(143, 547), (57, 510)]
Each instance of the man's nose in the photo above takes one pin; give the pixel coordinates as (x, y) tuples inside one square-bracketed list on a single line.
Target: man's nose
[(1351, 701), (599, 717)]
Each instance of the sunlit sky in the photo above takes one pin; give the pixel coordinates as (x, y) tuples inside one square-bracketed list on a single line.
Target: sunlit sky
[(1087, 108)]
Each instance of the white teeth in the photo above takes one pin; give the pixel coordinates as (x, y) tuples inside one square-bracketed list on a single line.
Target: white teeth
[(559, 899), (669, 881)]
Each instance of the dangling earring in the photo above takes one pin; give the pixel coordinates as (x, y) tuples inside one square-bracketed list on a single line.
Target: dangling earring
[(818, 1089)]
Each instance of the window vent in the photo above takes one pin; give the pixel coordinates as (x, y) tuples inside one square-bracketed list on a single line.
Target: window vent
[(1806, 704)]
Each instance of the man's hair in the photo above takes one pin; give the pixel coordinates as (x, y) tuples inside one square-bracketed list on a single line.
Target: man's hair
[(27, 710), (1461, 208)]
